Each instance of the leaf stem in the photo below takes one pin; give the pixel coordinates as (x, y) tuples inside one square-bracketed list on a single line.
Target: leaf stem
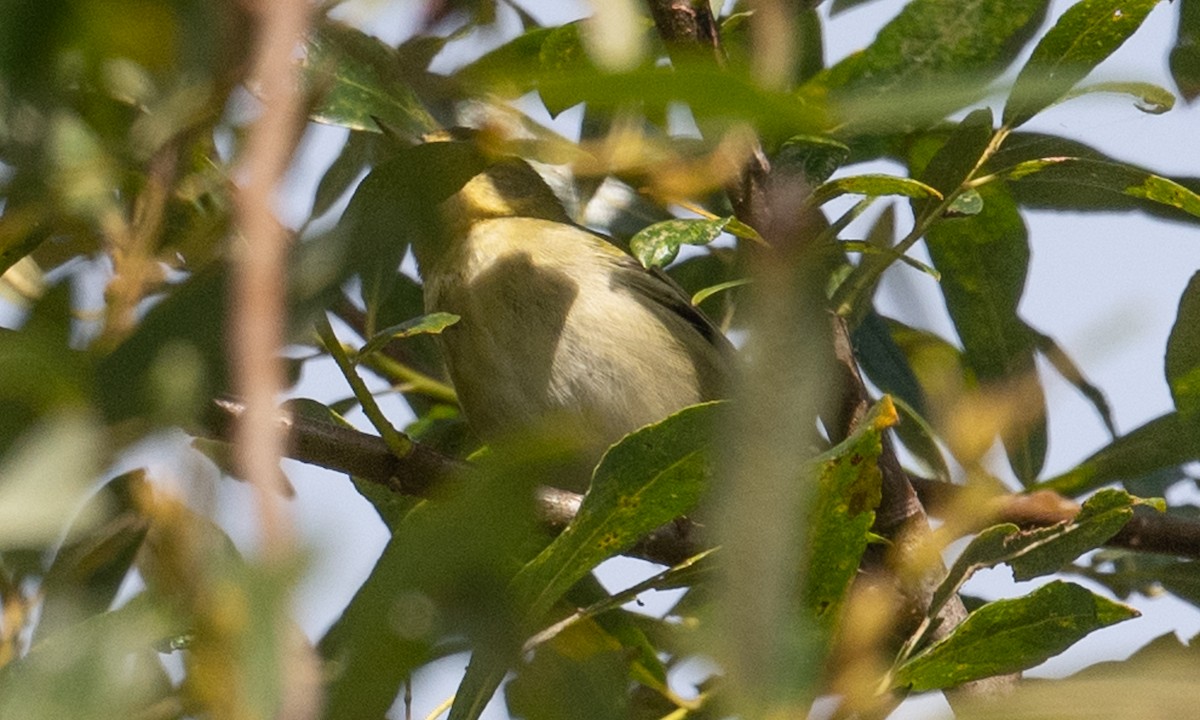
[(399, 443)]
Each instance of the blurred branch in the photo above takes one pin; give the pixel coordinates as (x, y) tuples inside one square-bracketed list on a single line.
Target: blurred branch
[(259, 286)]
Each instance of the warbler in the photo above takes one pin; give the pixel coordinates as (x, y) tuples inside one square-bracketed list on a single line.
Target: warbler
[(557, 324)]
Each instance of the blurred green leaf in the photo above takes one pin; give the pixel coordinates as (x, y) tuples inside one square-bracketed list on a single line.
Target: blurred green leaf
[(515, 67), (1006, 636), (1087, 33), (39, 372), (1183, 354), (359, 79), (100, 669), (45, 477), (658, 244), (1185, 56), (87, 571), (713, 97), (885, 362), (442, 580), (352, 161), (175, 362), (581, 674), (931, 59), (1166, 441)]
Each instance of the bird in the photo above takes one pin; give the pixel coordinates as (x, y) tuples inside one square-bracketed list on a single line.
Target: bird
[(558, 327)]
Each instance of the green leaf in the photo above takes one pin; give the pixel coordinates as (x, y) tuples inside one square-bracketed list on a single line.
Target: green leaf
[(1006, 636), (443, 581), (918, 435), (1165, 442), (705, 293), (1087, 33), (658, 244), (346, 167), (1183, 354), (1035, 552), (841, 515), (650, 477), (1148, 97), (359, 79), (99, 669), (431, 324), (175, 362), (874, 186), (931, 59), (885, 362), (714, 97), (957, 157), (1111, 176), (968, 202), (45, 478), (812, 157), (581, 664), (983, 260), (1101, 517), (1066, 367), (1044, 190), (1185, 56), (86, 573)]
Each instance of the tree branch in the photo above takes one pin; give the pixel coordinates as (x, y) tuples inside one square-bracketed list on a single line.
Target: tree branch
[(367, 457)]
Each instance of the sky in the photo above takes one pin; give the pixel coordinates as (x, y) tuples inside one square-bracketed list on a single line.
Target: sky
[(1106, 286)]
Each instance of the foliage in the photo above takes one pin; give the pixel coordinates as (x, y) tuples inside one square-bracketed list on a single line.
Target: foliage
[(121, 125)]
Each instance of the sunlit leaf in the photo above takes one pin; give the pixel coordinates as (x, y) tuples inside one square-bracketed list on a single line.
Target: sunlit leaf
[(1006, 636), (1087, 33), (874, 185), (658, 244), (1110, 176), (431, 324)]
